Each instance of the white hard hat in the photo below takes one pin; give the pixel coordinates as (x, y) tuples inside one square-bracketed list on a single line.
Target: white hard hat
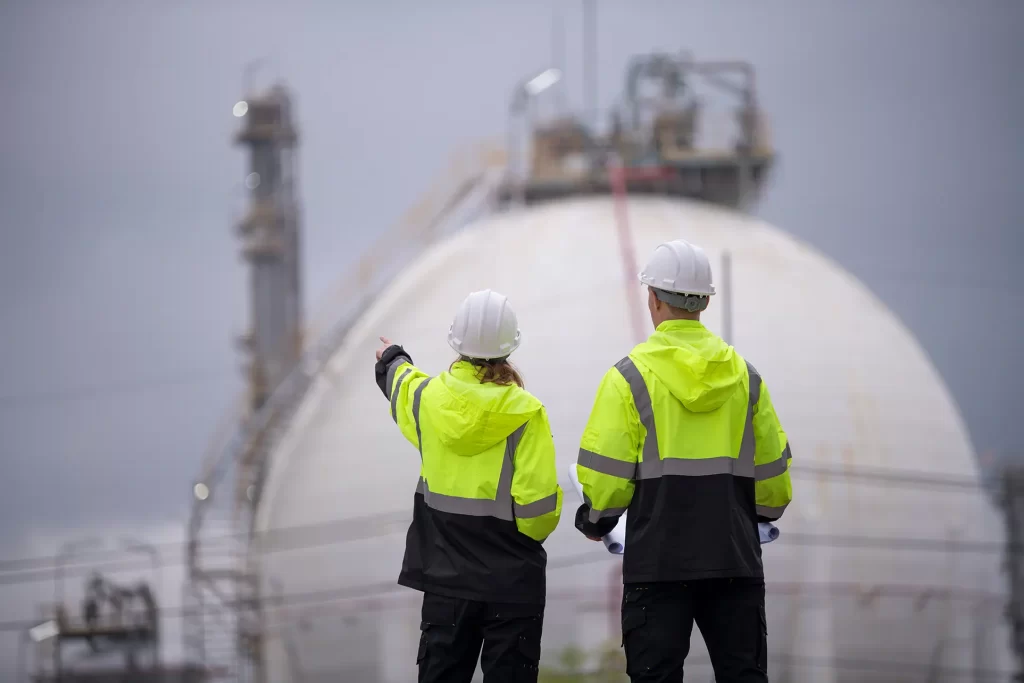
[(679, 267), (485, 327)]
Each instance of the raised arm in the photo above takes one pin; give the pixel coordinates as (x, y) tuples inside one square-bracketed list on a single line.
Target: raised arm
[(399, 381), (772, 486), (609, 452), (536, 494)]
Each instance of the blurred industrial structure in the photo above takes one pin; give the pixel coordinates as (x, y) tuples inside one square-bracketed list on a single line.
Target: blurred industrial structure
[(112, 634), (1011, 498), (299, 513), (661, 126)]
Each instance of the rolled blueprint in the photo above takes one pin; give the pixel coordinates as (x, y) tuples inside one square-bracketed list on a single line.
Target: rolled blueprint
[(615, 540), (767, 531)]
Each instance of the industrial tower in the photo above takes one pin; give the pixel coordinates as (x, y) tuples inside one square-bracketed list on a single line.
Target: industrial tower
[(663, 138), (224, 623), (270, 241)]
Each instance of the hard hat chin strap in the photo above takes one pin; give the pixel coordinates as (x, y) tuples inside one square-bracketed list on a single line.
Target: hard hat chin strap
[(692, 303)]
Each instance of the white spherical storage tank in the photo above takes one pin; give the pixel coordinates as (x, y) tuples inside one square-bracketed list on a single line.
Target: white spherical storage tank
[(875, 577)]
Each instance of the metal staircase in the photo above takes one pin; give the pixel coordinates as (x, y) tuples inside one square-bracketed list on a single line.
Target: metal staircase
[(225, 626)]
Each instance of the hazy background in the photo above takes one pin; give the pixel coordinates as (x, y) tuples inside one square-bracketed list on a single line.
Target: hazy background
[(900, 127)]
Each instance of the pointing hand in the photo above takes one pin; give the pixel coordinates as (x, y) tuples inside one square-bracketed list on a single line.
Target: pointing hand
[(381, 350)]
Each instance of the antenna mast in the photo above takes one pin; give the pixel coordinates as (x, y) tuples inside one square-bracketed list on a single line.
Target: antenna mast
[(558, 55), (590, 114)]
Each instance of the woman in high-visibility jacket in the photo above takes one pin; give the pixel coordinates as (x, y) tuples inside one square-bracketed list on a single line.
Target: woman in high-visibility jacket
[(487, 498)]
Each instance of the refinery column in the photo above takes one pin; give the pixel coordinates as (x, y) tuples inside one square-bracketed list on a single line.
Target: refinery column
[(270, 235), (270, 243)]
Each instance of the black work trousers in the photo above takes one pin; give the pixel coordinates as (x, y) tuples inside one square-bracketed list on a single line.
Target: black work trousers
[(454, 629), (657, 619)]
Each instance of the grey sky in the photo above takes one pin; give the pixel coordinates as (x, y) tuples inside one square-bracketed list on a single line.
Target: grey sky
[(898, 124)]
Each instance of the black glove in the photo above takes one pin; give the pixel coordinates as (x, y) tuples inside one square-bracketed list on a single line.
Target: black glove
[(590, 529), (380, 370)]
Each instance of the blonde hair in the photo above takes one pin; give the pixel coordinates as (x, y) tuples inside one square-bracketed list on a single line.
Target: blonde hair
[(499, 371)]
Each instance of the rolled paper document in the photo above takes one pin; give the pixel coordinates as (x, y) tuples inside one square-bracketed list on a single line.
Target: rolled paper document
[(615, 540), (767, 531)]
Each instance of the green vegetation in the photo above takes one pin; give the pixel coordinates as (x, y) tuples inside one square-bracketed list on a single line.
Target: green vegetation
[(606, 664)]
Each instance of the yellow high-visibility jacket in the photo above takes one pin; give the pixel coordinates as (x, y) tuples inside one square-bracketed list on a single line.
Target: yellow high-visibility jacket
[(684, 435), (488, 493)]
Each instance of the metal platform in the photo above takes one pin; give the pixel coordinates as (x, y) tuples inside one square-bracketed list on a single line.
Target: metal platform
[(718, 179)]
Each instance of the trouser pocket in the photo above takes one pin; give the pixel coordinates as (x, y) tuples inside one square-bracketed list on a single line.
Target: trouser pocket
[(421, 653), (512, 643), (437, 618), (635, 642), (529, 649)]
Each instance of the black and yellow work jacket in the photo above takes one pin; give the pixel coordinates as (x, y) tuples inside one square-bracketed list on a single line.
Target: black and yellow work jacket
[(488, 493), (683, 434)]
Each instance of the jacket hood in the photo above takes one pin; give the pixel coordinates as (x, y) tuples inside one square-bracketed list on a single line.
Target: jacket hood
[(475, 416), (697, 366)]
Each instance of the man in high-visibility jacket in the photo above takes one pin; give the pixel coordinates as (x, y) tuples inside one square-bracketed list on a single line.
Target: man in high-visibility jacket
[(684, 436), (488, 496)]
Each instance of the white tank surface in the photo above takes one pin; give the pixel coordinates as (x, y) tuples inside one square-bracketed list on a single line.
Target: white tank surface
[(875, 578)]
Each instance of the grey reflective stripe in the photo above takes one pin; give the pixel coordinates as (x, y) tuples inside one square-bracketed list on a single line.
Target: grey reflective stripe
[(537, 507), (394, 393), (605, 465), (596, 515), (702, 467), (773, 468), (416, 412), (748, 446), (650, 463), (652, 466), (476, 507), (671, 466), (502, 505), (771, 512), (392, 369)]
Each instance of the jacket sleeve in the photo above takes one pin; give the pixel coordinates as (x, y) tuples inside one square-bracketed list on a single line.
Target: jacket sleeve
[(772, 486), (399, 379), (609, 452), (536, 495)]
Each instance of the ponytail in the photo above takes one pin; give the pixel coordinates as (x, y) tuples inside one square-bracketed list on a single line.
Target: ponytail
[(498, 371)]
